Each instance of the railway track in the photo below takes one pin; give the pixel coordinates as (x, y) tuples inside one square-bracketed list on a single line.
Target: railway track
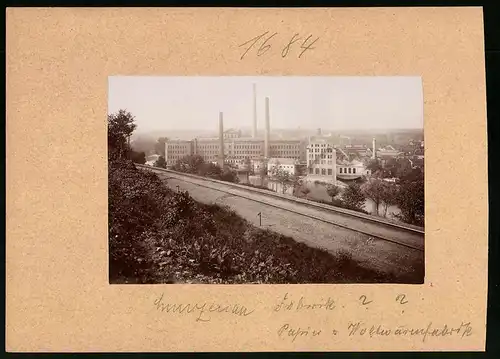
[(401, 235)]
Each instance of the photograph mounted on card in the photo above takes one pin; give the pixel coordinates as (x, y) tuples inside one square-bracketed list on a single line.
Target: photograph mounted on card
[(331, 192), (185, 179)]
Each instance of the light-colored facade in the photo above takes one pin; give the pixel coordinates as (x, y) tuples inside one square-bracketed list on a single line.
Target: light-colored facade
[(177, 149), (207, 148), (351, 170), (232, 133), (286, 164), (286, 149), (321, 159)]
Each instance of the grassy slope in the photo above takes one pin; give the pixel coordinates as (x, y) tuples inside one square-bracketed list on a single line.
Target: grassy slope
[(158, 236)]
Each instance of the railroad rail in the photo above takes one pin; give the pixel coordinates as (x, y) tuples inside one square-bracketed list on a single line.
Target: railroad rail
[(401, 234)]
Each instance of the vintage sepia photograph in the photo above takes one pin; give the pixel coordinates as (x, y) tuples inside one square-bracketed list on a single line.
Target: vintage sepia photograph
[(265, 179)]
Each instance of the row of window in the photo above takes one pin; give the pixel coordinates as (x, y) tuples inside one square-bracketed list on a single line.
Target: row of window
[(320, 150), (329, 170), (321, 145), (347, 170), (313, 156), (321, 171), (287, 147), (169, 152), (247, 146)]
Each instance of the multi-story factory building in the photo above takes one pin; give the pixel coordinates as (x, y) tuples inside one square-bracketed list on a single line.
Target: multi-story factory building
[(285, 149), (231, 148), (177, 149), (321, 159)]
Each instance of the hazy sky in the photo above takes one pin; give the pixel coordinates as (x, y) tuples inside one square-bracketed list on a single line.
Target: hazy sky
[(334, 103)]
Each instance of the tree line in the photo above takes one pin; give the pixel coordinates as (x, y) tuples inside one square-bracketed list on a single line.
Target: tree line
[(195, 164)]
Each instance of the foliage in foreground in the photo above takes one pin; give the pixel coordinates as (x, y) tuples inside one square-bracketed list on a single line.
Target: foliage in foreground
[(195, 164), (154, 239)]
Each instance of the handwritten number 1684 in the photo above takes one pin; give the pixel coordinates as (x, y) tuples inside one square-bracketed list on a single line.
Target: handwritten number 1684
[(265, 45)]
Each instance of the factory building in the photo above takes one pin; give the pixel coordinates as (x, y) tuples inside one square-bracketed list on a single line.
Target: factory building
[(232, 133), (286, 164), (321, 159), (229, 147), (207, 148), (285, 149), (350, 170), (177, 149)]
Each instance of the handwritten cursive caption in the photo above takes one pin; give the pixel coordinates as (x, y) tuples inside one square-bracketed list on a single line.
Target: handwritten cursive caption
[(360, 329), (295, 44), (287, 304), (202, 310)]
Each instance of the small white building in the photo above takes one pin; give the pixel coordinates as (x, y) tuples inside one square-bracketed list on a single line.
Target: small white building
[(287, 164), (150, 160), (349, 170)]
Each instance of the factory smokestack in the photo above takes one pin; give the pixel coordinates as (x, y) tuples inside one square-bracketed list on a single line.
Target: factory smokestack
[(221, 140), (374, 145), (267, 129), (319, 131), (254, 125)]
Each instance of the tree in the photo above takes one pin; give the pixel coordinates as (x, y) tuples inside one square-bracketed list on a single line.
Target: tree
[(297, 185), (160, 146), (374, 189), (353, 197), (120, 127), (389, 196), (160, 162), (306, 191), (211, 170), (411, 201), (248, 168), (412, 175), (191, 164), (392, 166), (284, 178), (229, 175), (374, 165), (333, 191), (138, 157)]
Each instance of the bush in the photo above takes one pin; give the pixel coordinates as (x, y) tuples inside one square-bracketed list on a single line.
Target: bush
[(154, 239)]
